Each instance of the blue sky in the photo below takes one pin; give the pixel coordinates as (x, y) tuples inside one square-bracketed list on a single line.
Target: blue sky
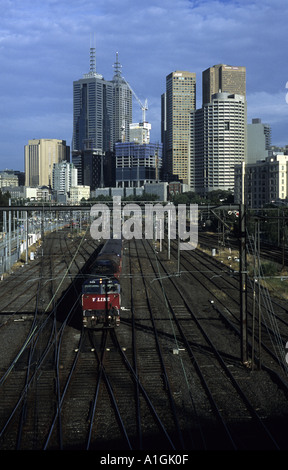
[(44, 46)]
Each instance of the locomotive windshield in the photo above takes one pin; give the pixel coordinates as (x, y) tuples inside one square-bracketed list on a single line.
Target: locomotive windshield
[(101, 286)]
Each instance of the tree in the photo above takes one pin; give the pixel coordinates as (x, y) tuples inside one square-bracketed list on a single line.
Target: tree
[(4, 198)]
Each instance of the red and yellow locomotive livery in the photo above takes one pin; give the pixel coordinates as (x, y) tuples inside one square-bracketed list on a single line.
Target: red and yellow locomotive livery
[(101, 296)]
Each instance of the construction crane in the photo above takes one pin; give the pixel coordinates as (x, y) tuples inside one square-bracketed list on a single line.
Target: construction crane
[(143, 107)]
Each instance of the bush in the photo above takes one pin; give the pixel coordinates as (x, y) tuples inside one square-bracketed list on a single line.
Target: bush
[(269, 268)]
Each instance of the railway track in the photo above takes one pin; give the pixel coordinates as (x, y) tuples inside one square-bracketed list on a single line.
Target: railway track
[(169, 377), (150, 358), (222, 377), (27, 383), (267, 251), (223, 286)]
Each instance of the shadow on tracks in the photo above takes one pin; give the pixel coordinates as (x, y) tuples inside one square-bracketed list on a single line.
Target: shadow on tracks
[(70, 299)]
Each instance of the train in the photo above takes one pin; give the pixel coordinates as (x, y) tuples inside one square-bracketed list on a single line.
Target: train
[(101, 290)]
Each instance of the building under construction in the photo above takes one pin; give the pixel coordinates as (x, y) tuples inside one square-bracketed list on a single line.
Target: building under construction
[(137, 164)]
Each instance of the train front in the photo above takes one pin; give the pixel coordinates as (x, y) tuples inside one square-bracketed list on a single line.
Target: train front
[(101, 302)]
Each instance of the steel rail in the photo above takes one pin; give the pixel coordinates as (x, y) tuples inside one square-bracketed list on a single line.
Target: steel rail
[(144, 393), (170, 395), (251, 409), (221, 302), (103, 375), (192, 355), (134, 352), (61, 400)]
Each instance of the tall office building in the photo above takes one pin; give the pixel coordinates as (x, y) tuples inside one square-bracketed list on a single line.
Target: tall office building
[(218, 142), (102, 113), (177, 104), (102, 110), (122, 99), (164, 127), (223, 78), (92, 111), (219, 129), (40, 156), (64, 176), (258, 140)]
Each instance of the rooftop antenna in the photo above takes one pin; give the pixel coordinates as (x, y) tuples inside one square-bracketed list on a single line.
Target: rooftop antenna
[(117, 66), (92, 55), (92, 73)]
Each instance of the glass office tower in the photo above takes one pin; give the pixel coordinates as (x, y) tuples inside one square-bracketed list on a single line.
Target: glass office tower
[(178, 102), (102, 110)]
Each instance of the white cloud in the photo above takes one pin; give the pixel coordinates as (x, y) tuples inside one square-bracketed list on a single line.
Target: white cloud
[(273, 110), (44, 46), (270, 107)]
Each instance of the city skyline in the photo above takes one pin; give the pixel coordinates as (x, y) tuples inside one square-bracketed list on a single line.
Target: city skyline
[(44, 47)]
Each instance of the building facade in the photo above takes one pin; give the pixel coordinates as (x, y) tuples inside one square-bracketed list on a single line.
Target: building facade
[(102, 114), (8, 179), (177, 104), (64, 176), (223, 78), (265, 181), (92, 114), (258, 140), (102, 110), (137, 164), (218, 142), (122, 106), (140, 132), (77, 193), (40, 156), (95, 169)]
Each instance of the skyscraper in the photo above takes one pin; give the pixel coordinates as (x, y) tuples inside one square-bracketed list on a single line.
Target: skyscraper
[(40, 156), (219, 129), (218, 142), (223, 78), (177, 104), (122, 99), (258, 140), (92, 111), (64, 176), (102, 109), (102, 113)]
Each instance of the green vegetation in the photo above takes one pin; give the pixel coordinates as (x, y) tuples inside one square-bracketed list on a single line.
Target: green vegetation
[(270, 269), (273, 276), (214, 197), (4, 198), (104, 198), (273, 224)]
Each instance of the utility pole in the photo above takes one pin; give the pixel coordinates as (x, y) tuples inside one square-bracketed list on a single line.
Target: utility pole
[(9, 237), (169, 234), (243, 284), (27, 236)]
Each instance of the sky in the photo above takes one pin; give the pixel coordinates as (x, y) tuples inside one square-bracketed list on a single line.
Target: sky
[(45, 46)]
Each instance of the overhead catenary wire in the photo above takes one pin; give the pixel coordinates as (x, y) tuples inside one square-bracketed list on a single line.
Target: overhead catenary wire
[(267, 314)]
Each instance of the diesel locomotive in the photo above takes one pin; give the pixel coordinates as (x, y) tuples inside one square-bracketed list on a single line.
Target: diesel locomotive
[(101, 296)]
